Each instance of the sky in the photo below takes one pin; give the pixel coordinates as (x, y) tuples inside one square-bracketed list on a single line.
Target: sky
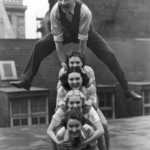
[(35, 8)]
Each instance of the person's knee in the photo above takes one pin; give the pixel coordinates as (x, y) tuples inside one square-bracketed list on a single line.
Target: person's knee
[(38, 43), (110, 59), (111, 54)]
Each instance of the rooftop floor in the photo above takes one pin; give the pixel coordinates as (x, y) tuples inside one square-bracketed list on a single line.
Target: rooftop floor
[(126, 134)]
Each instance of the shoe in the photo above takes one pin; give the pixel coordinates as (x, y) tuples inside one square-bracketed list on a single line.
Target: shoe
[(131, 94), (21, 84)]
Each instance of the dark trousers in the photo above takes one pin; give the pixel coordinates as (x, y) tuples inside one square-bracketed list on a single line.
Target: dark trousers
[(95, 43)]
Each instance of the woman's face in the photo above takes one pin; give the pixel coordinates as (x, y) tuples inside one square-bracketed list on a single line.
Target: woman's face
[(75, 80), (74, 127), (75, 61), (75, 102)]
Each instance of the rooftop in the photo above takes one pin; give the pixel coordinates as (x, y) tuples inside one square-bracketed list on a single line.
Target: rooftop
[(126, 134)]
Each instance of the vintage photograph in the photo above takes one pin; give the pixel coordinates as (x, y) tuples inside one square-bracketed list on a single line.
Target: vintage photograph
[(74, 75)]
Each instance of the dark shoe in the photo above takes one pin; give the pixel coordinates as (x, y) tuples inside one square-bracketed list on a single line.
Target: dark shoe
[(21, 84), (133, 95)]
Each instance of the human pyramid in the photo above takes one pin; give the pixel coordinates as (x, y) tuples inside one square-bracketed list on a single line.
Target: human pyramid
[(77, 123)]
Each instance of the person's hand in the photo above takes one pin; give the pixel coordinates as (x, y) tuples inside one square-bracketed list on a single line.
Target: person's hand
[(64, 144), (63, 64), (61, 103), (88, 102)]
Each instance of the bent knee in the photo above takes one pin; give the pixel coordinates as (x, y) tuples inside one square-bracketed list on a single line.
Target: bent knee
[(39, 43)]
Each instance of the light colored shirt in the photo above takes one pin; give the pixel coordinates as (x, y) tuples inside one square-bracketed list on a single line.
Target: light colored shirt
[(92, 116), (88, 70), (58, 29)]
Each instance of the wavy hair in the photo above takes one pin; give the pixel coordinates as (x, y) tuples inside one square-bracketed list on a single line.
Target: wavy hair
[(76, 54), (73, 114), (64, 77), (77, 93)]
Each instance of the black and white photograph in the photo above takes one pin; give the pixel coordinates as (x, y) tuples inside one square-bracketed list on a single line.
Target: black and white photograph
[(74, 74)]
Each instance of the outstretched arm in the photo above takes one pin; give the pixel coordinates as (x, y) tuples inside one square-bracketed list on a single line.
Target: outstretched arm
[(61, 72), (92, 76), (60, 52), (56, 121), (95, 120), (82, 46), (52, 135), (91, 95), (84, 25), (57, 31), (99, 131)]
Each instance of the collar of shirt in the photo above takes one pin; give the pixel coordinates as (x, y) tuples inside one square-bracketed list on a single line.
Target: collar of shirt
[(72, 9)]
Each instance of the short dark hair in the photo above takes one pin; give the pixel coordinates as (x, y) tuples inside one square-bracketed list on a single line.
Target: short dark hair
[(73, 114), (76, 54), (64, 78)]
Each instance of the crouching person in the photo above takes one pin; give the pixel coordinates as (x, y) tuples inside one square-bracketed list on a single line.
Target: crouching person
[(75, 100)]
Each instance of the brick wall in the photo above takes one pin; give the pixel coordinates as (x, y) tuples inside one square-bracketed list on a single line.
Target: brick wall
[(16, 15), (134, 56), (121, 18), (4, 111)]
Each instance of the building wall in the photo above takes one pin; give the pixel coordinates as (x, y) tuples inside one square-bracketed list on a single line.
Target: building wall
[(17, 20), (16, 14), (121, 18), (4, 111), (134, 56)]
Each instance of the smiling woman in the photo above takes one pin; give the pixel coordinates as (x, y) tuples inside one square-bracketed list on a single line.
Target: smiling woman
[(75, 129), (75, 101), (75, 78)]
